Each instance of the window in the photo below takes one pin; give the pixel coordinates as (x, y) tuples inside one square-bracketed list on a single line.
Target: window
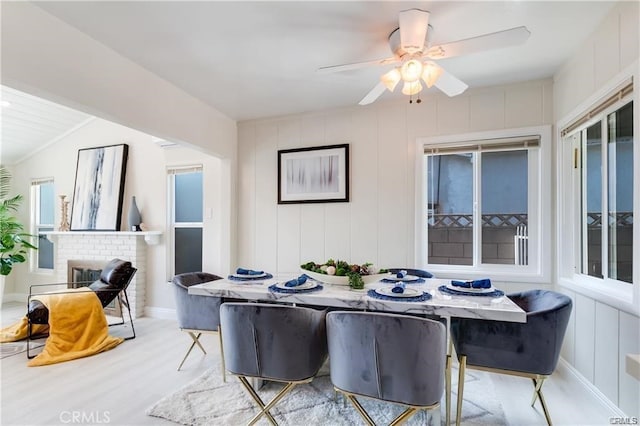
[(604, 148), (483, 204), (186, 212), (42, 220)]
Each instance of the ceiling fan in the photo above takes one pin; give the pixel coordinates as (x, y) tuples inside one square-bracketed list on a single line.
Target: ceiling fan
[(415, 57)]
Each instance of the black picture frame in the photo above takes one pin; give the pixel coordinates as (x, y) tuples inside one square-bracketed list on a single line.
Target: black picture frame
[(318, 174), (99, 188)]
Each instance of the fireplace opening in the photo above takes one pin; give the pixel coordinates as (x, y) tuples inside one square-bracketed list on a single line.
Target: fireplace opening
[(81, 273)]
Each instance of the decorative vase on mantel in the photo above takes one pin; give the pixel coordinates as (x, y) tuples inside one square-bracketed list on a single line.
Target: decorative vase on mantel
[(134, 216)]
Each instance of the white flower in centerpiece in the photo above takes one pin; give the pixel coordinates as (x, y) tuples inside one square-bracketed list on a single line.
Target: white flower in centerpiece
[(331, 270), (372, 270)]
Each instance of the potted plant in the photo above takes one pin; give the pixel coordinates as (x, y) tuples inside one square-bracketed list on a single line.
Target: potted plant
[(14, 242)]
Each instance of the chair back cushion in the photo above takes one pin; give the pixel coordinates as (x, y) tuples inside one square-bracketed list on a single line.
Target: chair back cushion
[(391, 357), (532, 347), (276, 342), (114, 277), (196, 312), (415, 272)]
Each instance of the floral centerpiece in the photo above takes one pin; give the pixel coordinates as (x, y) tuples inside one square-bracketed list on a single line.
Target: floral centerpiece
[(341, 272)]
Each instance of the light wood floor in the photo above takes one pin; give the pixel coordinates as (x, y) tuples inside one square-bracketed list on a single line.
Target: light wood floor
[(116, 387)]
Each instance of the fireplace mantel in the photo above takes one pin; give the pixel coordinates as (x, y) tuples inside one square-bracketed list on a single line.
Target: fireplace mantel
[(152, 238)]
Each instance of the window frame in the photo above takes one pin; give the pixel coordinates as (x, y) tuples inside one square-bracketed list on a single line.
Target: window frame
[(539, 208), (171, 213), (35, 225), (619, 294)]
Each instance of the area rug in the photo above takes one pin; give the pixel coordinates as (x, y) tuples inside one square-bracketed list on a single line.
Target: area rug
[(209, 401)]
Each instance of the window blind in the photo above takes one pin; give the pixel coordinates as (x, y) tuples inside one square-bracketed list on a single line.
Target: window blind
[(485, 145), (41, 181), (622, 92), (184, 169)]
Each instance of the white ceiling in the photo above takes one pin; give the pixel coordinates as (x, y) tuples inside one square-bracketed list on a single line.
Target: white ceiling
[(30, 123), (259, 59)]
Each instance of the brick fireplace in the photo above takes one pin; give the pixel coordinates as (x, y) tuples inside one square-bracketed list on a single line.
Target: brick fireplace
[(98, 248)]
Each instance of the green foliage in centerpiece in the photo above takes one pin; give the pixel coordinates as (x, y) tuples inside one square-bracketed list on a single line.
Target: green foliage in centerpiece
[(341, 268)]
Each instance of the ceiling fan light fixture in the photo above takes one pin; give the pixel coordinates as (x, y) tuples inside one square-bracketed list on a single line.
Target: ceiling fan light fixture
[(431, 72), (411, 87), (411, 70), (391, 79)]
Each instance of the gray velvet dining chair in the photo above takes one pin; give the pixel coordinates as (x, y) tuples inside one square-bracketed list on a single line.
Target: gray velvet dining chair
[(411, 271), (394, 358), (279, 343), (528, 349), (197, 315)]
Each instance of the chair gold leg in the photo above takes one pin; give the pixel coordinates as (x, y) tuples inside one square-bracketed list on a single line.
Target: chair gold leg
[(196, 340), (195, 337), (363, 413), (403, 416), (535, 391), (256, 398), (447, 374), (461, 371), (538, 393), (447, 389), (224, 367), (288, 387)]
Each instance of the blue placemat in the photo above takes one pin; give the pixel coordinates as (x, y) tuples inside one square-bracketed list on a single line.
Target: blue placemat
[(262, 278), (275, 289), (494, 293), (398, 280), (423, 298)]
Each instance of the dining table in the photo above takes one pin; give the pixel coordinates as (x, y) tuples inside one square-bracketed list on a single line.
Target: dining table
[(340, 296), (437, 300)]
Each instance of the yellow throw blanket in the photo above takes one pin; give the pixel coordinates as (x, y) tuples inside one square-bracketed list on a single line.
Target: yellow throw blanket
[(77, 328)]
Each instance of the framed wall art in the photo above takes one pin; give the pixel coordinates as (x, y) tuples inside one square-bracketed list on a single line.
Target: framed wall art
[(313, 175), (99, 188)]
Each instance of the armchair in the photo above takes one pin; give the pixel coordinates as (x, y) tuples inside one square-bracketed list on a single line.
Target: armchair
[(114, 280), (528, 349), (393, 358), (197, 314)]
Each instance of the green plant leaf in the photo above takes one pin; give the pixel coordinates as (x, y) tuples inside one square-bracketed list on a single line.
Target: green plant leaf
[(5, 267), (14, 242)]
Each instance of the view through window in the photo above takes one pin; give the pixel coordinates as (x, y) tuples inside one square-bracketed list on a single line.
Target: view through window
[(186, 189), (43, 218), (478, 202)]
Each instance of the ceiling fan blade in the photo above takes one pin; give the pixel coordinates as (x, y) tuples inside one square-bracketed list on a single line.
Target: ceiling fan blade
[(373, 94), (497, 40), (450, 84), (355, 65), (413, 29)]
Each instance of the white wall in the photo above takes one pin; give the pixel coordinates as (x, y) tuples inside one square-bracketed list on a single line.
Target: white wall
[(146, 178), (46, 57), (378, 224), (43, 56), (600, 335)]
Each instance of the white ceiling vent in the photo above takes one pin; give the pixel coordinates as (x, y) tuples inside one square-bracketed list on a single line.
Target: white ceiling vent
[(163, 143)]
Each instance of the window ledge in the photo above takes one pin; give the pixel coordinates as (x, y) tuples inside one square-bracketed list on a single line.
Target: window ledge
[(616, 298), (496, 274)]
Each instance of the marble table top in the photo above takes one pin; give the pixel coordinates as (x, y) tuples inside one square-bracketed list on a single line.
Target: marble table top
[(340, 296)]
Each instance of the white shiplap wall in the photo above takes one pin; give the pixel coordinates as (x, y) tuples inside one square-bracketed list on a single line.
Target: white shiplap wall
[(600, 335), (378, 224)]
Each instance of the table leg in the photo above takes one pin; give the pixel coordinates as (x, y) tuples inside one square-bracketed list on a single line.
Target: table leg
[(447, 374)]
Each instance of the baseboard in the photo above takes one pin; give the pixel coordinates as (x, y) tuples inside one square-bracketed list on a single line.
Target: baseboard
[(606, 402), (160, 313), (15, 297)]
